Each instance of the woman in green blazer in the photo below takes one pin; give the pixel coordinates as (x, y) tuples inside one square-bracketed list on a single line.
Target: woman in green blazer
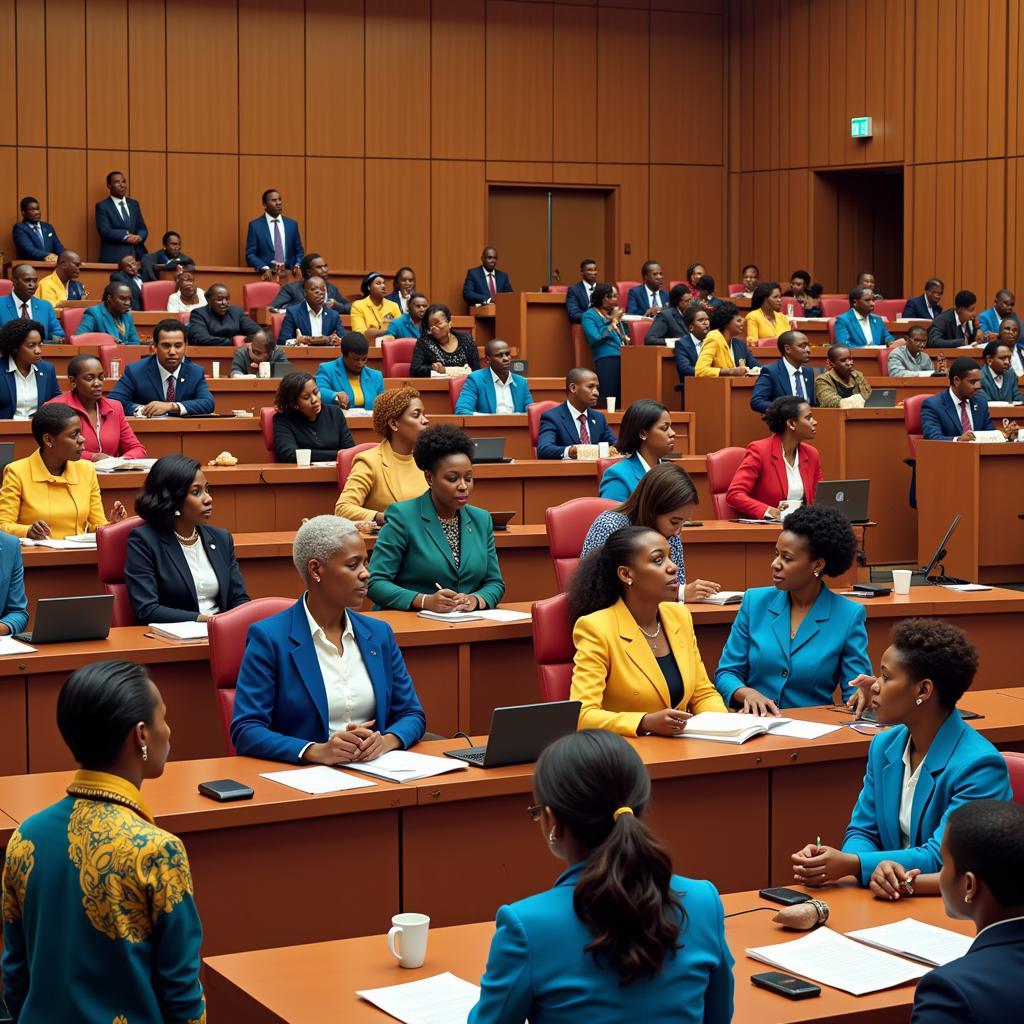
[(436, 552)]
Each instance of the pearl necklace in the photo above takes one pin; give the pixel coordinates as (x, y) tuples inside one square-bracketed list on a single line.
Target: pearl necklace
[(190, 539), (652, 638)]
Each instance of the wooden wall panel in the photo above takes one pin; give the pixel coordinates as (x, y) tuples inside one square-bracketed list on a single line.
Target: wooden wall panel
[(335, 190), (623, 84), (334, 74), (632, 215), (209, 227), (147, 107), (456, 125), (400, 222), (8, 193), (9, 79), (574, 83), (70, 209), (684, 231), (458, 202), (30, 25), (32, 174), (147, 176), (65, 63), (107, 90)]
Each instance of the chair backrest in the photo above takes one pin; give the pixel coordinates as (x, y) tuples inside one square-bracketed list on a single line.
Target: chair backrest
[(622, 288), (638, 330), (791, 308), (912, 421), (831, 330), (890, 308), (126, 353), (567, 525), (834, 307), (345, 459), (1014, 765), (455, 386), (155, 295), (533, 415), (227, 632), (397, 355), (883, 360), (93, 338), (736, 288), (552, 646), (267, 414), (71, 320), (558, 289), (581, 351), (258, 293), (111, 549), (722, 466), (6, 286), (276, 319), (603, 464)]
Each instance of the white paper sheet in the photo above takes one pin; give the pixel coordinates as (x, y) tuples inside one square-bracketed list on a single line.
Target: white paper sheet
[(320, 778), (502, 615), (797, 730), (405, 766), (926, 943), (442, 999), (965, 588), (450, 616), (180, 630), (8, 645)]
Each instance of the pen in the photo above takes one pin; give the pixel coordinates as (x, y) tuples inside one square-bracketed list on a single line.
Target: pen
[(818, 844)]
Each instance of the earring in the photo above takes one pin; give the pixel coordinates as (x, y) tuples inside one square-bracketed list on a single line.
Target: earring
[(817, 574), (551, 837), (629, 583), (316, 579), (919, 701), (145, 752), (177, 513), (968, 898)]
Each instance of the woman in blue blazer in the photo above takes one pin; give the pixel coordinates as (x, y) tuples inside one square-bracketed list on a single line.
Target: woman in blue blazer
[(113, 316), (793, 643), (606, 334), (285, 708), (21, 352), (338, 379), (619, 937), (928, 763), (646, 436), (177, 567), (13, 600)]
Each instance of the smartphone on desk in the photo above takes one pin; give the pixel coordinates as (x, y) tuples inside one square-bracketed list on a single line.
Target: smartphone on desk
[(785, 985), (223, 790), (787, 897)]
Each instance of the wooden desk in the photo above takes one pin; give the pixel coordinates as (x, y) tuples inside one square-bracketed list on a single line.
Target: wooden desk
[(536, 322), (309, 984)]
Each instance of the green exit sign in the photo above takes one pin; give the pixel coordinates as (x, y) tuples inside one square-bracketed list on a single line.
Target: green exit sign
[(860, 127)]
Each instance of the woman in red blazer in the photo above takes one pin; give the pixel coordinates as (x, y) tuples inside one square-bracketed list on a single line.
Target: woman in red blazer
[(104, 427), (763, 479)]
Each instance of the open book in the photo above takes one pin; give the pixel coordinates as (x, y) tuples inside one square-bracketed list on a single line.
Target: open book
[(118, 465), (180, 630), (915, 940), (723, 597), (722, 727)]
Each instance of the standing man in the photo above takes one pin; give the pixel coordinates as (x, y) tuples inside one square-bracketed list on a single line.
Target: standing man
[(789, 376), (927, 306), (170, 257), (1001, 310), (23, 303), (273, 244), (577, 298), (495, 389), (483, 283), (63, 284), (574, 422), (119, 222), (34, 239), (649, 298), (128, 273), (312, 265), (957, 326)]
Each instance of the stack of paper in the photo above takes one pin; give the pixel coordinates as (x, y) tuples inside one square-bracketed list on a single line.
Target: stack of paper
[(799, 730), (8, 645), (723, 597), (320, 778), (80, 542), (925, 943), (404, 766), (723, 727), (502, 615), (443, 999), (180, 630), (451, 616)]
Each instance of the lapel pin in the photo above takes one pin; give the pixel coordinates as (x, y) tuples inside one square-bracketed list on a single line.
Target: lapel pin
[(372, 651), (213, 547)]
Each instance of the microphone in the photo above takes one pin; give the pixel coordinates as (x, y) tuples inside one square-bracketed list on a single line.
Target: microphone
[(802, 917)]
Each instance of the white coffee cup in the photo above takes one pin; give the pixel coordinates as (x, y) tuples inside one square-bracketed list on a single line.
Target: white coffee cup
[(901, 581), (264, 370), (786, 506), (115, 368), (215, 365), (303, 456), (603, 448), (407, 939), (610, 403)]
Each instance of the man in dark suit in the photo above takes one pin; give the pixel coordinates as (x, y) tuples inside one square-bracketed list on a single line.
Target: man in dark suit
[(218, 322), (119, 221), (696, 324), (311, 318), (957, 326), (649, 298), (955, 414), (166, 383), (170, 257), (789, 376), (273, 243), (483, 283), (577, 298), (34, 239), (312, 265), (575, 422), (23, 303), (927, 306), (128, 273)]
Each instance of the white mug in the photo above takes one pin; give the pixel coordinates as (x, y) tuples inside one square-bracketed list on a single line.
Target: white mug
[(115, 368), (407, 939), (216, 369), (603, 449), (264, 370), (786, 506), (901, 581), (303, 456), (610, 403)]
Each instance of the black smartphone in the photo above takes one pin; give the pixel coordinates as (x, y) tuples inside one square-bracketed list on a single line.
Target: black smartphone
[(223, 790), (785, 985), (787, 897)]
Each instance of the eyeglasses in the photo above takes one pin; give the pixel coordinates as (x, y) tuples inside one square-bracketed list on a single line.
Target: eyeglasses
[(535, 811)]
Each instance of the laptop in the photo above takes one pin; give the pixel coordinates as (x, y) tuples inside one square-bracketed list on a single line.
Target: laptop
[(881, 398), (923, 577), (489, 449), (61, 620), (847, 496), (518, 735), (500, 520), (281, 369)]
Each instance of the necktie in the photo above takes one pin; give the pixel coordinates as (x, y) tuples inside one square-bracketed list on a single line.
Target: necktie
[(656, 299), (798, 385), (170, 389), (39, 232), (26, 313), (278, 243), (123, 210), (584, 432), (490, 284), (964, 421)]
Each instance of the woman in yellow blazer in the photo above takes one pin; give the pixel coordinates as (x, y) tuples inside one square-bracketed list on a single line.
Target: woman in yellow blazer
[(383, 475), (53, 493), (765, 319), (724, 353), (372, 314), (637, 670)]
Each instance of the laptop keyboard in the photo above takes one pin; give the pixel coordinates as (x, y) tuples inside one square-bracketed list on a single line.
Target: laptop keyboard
[(475, 756)]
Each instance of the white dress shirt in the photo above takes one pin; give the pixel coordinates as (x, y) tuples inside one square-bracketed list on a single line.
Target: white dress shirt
[(793, 477), (203, 577), (910, 779), (697, 342), (956, 405), (797, 384), (503, 403), (175, 303), (316, 322), (1015, 364), (164, 376), (121, 205), (865, 326), (26, 392), (589, 289), (575, 415)]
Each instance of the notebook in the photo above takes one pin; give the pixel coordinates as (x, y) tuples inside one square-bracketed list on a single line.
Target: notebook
[(722, 727)]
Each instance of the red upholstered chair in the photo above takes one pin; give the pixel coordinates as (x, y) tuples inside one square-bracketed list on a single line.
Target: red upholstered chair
[(455, 386), (798, 309), (155, 294), (258, 293), (672, 284), (397, 355), (831, 330), (92, 338), (111, 547), (736, 288), (622, 288), (1014, 765), (126, 353), (227, 632), (834, 307), (6, 286), (567, 526), (71, 320), (267, 414), (552, 646), (581, 351), (533, 415), (603, 464), (722, 466), (558, 289), (883, 360), (912, 421), (276, 319), (638, 330), (345, 459), (890, 308)]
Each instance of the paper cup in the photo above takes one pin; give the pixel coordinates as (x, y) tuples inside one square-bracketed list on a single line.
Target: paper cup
[(264, 370), (303, 456), (407, 939), (603, 448), (901, 581), (610, 404), (215, 366)]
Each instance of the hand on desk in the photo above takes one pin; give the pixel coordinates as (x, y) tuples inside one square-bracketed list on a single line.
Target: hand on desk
[(159, 409), (39, 530), (818, 865), (967, 435), (861, 700), (666, 722), (342, 399), (449, 601), (890, 881), (754, 703), (356, 743), (699, 589)]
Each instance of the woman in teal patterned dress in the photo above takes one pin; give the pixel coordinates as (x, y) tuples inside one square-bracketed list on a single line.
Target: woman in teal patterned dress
[(100, 924)]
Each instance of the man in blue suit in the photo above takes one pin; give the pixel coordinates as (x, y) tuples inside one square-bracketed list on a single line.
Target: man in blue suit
[(273, 243), (483, 283), (859, 326), (21, 303), (34, 239), (561, 428), (311, 318), (119, 222), (166, 383), (496, 389), (927, 306), (577, 298), (955, 414), (1002, 309), (649, 298), (789, 376)]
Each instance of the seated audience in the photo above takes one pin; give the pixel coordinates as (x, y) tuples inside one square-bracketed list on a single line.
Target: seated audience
[(348, 381), (495, 389), (928, 305), (647, 298), (706, 292), (177, 567), (273, 243), (383, 475), (483, 283), (765, 319), (1009, 334), (22, 303), (799, 291), (93, 872), (404, 283), (781, 467), (618, 931), (669, 321), (113, 316), (63, 284), (34, 239), (792, 644), (791, 375), (53, 494), (439, 347), (957, 326), (166, 259), (577, 298), (724, 352), (259, 347), (924, 672), (866, 279), (911, 360), (363, 700), (1002, 309), (955, 414), (645, 438), (410, 323), (662, 501), (187, 295), (312, 265), (311, 318), (749, 276), (637, 670), (841, 386), (119, 222), (303, 421), (998, 382), (128, 273), (372, 314), (436, 552), (694, 272), (218, 322), (606, 332), (106, 431), (166, 383), (29, 382), (696, 325), (576, 421), (859, 326)]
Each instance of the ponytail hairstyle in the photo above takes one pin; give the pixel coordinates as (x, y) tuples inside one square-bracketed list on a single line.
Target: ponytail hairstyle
[(597, 787), (595, 584)]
